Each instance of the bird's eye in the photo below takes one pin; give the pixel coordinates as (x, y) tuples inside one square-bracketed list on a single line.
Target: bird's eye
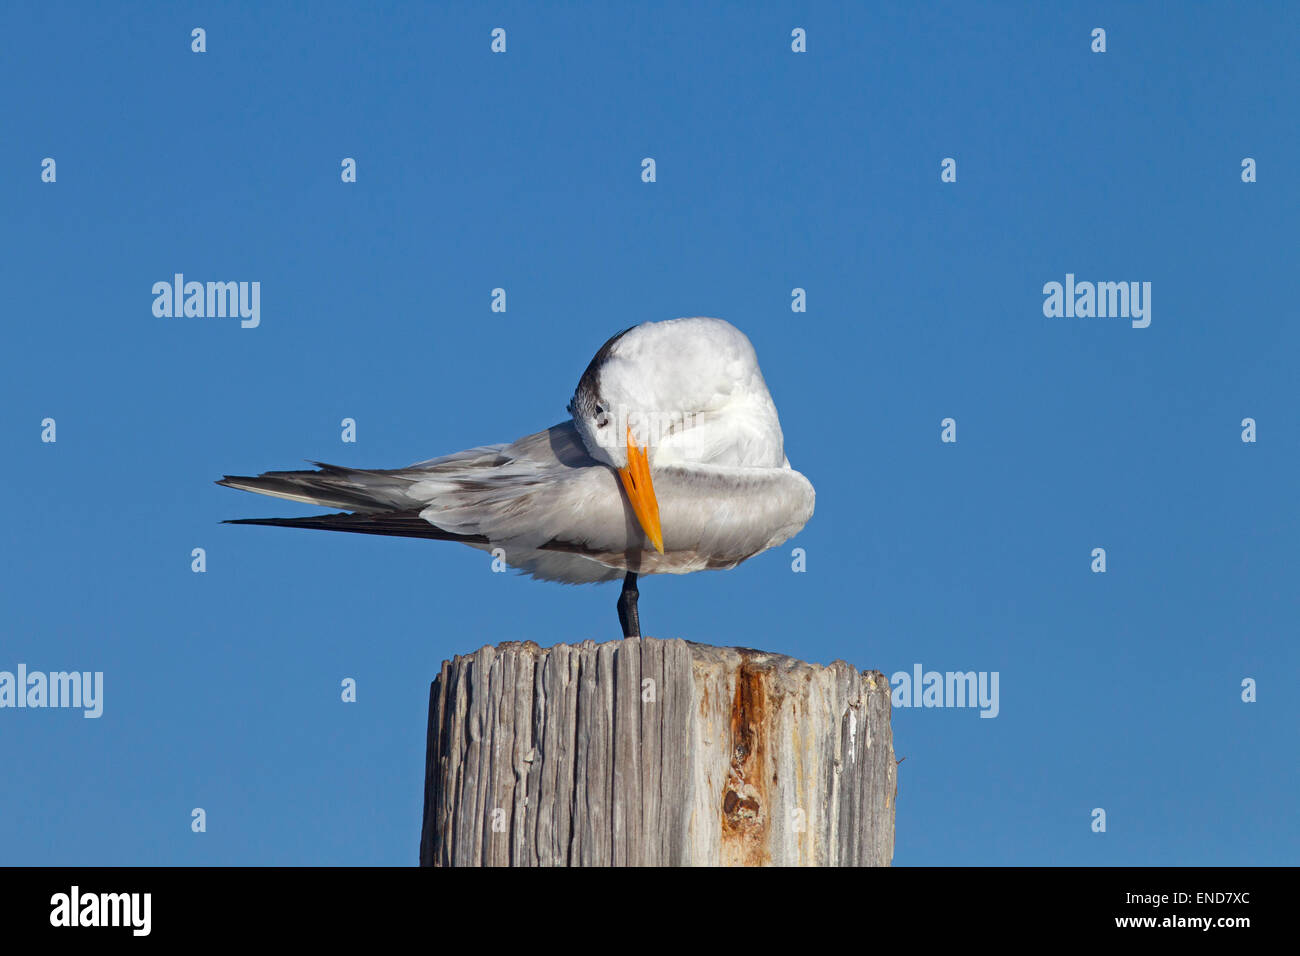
[(601, 420)]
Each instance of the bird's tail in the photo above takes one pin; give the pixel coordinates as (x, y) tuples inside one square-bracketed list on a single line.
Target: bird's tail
[(398, 524), (378, 500), (355, 489)]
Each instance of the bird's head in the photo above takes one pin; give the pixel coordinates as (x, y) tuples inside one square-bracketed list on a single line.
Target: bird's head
[(663, 393)]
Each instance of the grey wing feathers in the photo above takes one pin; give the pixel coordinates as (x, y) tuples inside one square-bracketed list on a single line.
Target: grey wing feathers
[(332, 487), (482, 497), (556, 512)]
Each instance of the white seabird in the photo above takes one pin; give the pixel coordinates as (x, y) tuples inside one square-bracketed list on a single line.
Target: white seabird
[(673, 461)]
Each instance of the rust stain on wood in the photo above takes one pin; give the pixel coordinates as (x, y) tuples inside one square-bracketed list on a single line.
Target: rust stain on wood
[(745, 797)]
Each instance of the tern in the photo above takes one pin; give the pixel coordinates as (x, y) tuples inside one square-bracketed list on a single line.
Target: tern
[(672, 461)]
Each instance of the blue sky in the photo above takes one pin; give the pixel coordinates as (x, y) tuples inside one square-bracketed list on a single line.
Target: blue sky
[(775, 170)]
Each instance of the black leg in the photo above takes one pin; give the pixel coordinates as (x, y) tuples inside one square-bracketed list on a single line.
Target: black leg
[(627, 615)]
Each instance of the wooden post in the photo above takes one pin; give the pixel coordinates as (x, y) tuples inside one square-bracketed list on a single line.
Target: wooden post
[(651, 753)]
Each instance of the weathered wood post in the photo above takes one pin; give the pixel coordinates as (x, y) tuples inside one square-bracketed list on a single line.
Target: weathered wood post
[(656, 752)]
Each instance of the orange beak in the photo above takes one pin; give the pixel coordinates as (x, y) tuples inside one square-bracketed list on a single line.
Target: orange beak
[(641, 491)]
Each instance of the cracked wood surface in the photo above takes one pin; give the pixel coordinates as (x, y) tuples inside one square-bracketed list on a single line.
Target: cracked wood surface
[(656, 753)]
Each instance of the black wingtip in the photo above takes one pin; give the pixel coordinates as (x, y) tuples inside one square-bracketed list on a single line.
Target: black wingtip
[(278, 522)]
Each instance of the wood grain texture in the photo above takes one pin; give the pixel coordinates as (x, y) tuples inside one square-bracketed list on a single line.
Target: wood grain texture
[(656, 753)]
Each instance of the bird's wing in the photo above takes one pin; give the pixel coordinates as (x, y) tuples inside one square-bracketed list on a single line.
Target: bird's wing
[(555, 511), (378, 490), (526, 493), (712, 516)]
